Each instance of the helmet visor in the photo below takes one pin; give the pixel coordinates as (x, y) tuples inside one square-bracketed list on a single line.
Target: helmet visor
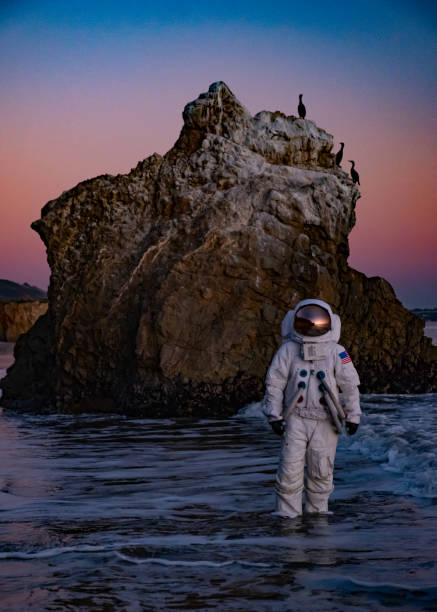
[(312, 320)]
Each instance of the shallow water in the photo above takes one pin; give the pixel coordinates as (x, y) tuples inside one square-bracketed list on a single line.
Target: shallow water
[(110, 513), (431, 331)]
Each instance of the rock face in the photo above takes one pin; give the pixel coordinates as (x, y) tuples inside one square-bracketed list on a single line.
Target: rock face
[(18, 317), (187, 265)]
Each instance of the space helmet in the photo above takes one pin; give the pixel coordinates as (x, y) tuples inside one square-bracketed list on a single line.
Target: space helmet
[(312, 320)]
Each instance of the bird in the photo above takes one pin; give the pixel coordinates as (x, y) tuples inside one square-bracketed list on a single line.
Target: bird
[(301, 108), (339, 155), (354, 174)]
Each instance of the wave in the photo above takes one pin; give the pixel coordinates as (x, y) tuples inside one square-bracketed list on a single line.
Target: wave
[(51, 552), (184, 563), (55, 552), (399, 433)]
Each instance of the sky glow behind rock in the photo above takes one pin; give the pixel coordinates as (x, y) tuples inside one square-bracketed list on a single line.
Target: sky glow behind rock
[(89, 88)]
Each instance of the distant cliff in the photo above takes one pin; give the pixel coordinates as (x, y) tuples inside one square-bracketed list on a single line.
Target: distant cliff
[(10, 291), (18, 317), (168, 284)]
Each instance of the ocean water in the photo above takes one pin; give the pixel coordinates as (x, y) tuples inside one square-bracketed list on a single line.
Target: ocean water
[(110, 513), (431, 331)]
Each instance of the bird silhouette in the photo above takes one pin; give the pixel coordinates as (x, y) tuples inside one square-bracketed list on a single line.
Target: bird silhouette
[(354, 174), (301, 108), (339, 155)]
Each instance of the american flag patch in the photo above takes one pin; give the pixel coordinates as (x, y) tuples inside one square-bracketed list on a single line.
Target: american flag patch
[(345, 357)]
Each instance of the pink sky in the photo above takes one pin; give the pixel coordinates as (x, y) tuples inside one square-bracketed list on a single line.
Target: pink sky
[(67, 116)]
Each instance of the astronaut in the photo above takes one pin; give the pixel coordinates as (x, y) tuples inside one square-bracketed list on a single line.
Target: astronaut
[(303, 406)]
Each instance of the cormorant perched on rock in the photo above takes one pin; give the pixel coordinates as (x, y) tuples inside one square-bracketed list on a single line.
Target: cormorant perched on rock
[(301, 108), (354, 174), (339, 155)]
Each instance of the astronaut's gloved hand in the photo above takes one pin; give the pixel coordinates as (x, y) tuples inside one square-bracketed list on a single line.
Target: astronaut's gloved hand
[(351, 428), (277, 427)]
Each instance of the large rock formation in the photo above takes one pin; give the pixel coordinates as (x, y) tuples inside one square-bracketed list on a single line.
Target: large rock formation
[(18, 317), (169, 284)]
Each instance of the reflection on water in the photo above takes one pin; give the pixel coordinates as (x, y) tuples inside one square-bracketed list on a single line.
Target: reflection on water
[(109, 513)]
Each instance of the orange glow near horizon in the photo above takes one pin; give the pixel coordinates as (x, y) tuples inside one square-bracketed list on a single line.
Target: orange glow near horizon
[(395, 233)]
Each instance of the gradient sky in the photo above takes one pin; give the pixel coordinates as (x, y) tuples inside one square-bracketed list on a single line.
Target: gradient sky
[(93, 87)]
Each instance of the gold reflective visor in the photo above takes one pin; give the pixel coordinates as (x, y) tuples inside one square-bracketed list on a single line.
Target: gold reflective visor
[(312, 320)]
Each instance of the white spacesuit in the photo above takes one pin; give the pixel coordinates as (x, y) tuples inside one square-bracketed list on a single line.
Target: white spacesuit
[(302, 404)]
